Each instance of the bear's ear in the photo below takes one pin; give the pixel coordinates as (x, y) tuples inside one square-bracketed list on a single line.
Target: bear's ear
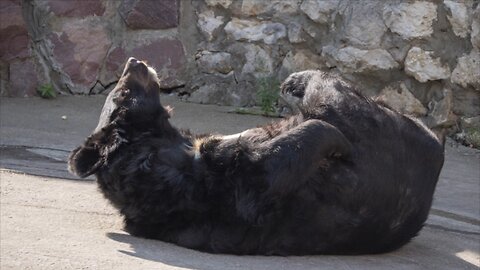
[(84, 161)]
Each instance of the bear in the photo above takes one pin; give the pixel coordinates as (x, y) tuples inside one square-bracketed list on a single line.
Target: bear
[(344, 175)]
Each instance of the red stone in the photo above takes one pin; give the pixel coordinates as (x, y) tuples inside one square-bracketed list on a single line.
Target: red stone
[(150, 14), (11, 13), (23, 79), (14, 39), (80, 50), (64, 54), (163, 53), (76, 8), (166, 56), (115, 60), (113, 66), (14, 42)]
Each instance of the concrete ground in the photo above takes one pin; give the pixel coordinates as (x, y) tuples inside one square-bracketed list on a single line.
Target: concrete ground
[(49, 219)]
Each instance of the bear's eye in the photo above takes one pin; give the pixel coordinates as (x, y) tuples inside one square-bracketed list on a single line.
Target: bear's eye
[(124, 93), (121, 96)]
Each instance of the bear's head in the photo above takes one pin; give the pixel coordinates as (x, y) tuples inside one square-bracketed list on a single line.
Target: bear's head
[(131, 108)]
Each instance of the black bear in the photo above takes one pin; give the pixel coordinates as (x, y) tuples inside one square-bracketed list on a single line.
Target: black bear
[(343, 176)]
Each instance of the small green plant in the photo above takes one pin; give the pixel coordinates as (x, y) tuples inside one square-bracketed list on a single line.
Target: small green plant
[(268, 93), (472, 137), (47, 91)]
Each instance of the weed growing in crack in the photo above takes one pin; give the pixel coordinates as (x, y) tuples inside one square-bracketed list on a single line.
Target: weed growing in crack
[(47, 91)]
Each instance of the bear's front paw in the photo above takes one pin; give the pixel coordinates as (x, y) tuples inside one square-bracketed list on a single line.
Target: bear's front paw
[(292, 90)]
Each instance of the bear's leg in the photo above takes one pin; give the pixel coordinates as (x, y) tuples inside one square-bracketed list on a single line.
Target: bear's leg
[(290, 158)]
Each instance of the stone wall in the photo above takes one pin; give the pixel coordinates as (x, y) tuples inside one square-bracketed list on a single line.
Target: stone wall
[(80, 46), (421, 57)]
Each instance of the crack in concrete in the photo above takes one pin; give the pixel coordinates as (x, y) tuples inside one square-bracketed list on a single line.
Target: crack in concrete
[(457, 217), (438, 227)]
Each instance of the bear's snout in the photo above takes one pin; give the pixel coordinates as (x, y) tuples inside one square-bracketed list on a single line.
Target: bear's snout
[(136, 68), (132, 62)]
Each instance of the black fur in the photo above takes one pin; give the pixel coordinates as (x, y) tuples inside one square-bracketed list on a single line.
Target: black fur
[(346, 176)]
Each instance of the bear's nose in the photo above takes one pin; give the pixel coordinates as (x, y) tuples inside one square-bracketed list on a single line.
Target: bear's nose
[(134, 64), (133, 61)]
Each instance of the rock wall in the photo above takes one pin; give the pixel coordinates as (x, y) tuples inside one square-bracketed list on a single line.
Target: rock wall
[(421, 57)]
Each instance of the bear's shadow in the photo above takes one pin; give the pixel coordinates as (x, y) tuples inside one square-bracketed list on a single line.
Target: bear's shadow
[(177, 256), (418, 253)]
